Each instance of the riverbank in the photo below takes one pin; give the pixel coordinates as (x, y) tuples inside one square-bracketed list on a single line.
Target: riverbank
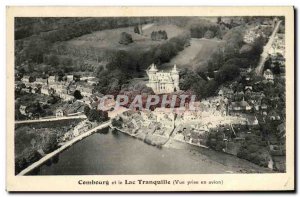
[(206, 155), (235, 164), (153, 140)]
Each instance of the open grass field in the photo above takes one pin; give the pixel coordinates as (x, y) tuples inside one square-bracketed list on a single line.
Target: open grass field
[(109, 39), (196, 54)]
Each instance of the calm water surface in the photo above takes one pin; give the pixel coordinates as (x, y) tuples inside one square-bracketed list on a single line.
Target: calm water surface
[(118, 153)]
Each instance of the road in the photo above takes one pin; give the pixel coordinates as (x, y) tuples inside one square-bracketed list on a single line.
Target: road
[(51, 119), (263, 57), (62, 148)]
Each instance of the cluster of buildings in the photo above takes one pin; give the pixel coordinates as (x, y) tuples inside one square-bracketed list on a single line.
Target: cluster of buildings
[(81, 128), (249, 99), (253, 33), (63, 88)]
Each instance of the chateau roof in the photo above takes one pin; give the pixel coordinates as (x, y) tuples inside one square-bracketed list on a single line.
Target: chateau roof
[(174, 70), (268, 72), (153, 68)]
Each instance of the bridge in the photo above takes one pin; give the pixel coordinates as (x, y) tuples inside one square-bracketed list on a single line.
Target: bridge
[(63, 147)]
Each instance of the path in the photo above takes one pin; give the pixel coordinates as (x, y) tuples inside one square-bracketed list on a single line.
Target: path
[(50, 119), (263, 57)]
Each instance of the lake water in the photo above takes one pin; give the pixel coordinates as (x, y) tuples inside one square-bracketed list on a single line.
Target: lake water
[(118, 153)]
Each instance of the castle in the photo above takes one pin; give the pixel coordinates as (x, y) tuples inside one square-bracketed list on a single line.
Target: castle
[(163, 82)]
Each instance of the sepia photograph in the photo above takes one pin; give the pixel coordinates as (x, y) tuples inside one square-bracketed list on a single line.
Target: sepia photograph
[(151, 95)]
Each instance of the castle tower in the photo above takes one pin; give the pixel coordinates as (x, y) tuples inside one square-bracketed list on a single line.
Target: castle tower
[(151, 72), (175, 77)]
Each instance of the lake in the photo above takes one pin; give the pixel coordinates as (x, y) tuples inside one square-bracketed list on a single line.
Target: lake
[(117, 153)]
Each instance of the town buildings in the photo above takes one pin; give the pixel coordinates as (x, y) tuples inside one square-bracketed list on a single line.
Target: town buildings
[(268, 75)]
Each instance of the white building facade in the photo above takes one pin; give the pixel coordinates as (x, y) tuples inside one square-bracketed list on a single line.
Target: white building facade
[(163, 82)]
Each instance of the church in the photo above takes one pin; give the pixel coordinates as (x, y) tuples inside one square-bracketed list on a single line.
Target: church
[(163, 82)]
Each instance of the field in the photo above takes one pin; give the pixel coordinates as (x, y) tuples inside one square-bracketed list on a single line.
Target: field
[(109, 39), (196, 54)]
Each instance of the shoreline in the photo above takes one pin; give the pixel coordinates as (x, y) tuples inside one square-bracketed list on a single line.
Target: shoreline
[(199, 150)]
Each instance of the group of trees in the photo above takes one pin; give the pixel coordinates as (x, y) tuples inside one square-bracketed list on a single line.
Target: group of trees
[(253, 149), (206, 31), (223, 65), (198, 83), (95, 115), (159, 35), (215, 140), (137, 29), (124, 65), (61, 29), (77, 95), (35, 37), (125, 38)]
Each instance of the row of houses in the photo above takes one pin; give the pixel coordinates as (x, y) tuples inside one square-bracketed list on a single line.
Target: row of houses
[(63, 89)]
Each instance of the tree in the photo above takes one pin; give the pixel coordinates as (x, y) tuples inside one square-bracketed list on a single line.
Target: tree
[(136, 29), (77, 95), (93, 115), (159, 35), (51, 144), (86, 110), (53, 60), (97, 115), (36, 49), (209, 34), (125, 38), (227, 72)]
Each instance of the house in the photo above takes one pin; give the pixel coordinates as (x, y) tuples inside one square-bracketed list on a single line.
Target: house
[(221, 93), (268, 75), (27, 79), (22, 109), (66, 97), (239, 106), (85, 90), (264, 106), (248, 87), (92, 81), (257, 105), (41, 81), (28, 90), (71, 88), (228, 93), (45, 90), (51, 79), (59, 112), (86, 100), (252, 120), (70, 78), (35, 90), (273, 115), (282, 129)]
